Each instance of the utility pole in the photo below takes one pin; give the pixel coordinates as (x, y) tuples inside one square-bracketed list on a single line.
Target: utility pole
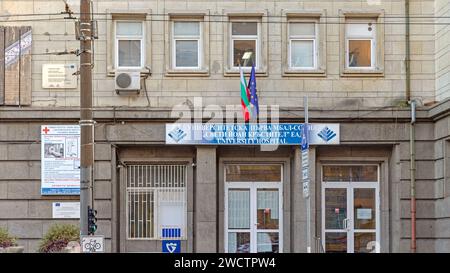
[(86, 116)]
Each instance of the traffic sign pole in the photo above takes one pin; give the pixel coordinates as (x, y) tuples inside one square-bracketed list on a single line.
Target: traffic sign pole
[(305, 171)]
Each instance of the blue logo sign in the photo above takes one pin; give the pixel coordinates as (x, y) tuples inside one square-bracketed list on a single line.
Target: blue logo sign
[(171, 246), (326, 134), (171, 233), (177, 134), (305, 137)]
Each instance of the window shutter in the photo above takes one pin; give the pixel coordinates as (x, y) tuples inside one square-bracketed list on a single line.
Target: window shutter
[(15, 65)]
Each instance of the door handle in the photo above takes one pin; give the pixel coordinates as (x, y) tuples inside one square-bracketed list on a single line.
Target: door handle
[(347, 226), (344, 223)]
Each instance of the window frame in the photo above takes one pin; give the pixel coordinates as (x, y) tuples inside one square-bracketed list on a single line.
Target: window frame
[(156, 191), (378, 58), (129, 38), (373, 43), (255, 38), (198, 38), (292, 38)]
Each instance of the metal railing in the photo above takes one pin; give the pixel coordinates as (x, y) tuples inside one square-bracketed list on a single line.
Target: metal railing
[(318, 245)]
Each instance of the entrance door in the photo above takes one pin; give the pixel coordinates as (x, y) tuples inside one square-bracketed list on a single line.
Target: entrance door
[(253, 217), (350, 208)]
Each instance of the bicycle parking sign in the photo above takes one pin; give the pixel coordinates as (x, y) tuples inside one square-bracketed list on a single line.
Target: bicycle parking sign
[(92, 244)]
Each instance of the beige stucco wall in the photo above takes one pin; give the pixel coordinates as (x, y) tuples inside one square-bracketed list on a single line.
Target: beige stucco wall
[(442, 8), (330, 90)]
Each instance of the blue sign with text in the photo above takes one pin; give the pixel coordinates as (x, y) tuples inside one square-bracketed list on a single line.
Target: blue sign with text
[(171, 246), (252, 134)]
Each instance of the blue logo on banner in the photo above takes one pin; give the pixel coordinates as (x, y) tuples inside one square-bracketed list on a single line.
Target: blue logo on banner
[(171, 246), (326, 134), (177, 134)]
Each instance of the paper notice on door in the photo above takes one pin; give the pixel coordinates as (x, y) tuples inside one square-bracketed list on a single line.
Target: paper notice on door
[(363, 214)]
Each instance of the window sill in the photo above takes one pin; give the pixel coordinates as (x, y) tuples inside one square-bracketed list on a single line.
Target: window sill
[(187, 73), (304, 73), (362, 73), (235, 72), (144, 72)]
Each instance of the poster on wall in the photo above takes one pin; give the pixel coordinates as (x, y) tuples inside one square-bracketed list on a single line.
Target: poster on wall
[(60, 160)]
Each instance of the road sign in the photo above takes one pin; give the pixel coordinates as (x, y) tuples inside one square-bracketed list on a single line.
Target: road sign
[(91, 244), (305, 172), (306, 188), (171, 246), (305, 137)]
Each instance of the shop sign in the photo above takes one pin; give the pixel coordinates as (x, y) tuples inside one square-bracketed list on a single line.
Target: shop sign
[(250, 134)]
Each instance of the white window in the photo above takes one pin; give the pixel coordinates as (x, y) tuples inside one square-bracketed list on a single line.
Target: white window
[(187, 43), (129, 44), (156, 200), (360, 44), (302, 45), (244, 44)]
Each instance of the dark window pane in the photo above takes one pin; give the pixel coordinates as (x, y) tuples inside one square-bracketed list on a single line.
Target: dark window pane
[(336, 242), (268, 210), (244, 28), (253, 173), (239, 242), (360, 54), (367, 173), (335, 208), (364, 208), (336, 173), (364, 242), (361, 173), (244, 49), (130, 53)]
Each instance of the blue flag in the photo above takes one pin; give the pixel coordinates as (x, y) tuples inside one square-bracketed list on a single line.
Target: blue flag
[(253, 96)]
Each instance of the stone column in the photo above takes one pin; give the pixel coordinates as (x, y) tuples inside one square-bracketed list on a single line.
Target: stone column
[(205, 199)]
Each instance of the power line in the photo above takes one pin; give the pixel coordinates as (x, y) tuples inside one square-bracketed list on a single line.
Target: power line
[(226, 15), (227, 21)]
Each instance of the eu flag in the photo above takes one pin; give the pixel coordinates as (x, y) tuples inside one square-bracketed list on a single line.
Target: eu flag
[(253, 96)]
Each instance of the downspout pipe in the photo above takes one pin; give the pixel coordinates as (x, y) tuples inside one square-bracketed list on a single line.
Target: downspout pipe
[(412, 133), (412, 153)]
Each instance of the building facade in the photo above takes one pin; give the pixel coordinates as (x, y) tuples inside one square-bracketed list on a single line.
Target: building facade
[(359, 62)]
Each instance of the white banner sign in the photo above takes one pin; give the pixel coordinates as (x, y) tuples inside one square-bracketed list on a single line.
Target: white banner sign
[(60, 159), (92, 243), (66, 210)]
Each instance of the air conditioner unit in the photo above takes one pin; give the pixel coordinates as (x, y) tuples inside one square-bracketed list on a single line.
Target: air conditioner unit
[(128, 82)]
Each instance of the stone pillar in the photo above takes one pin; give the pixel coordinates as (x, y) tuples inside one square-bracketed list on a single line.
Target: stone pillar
[(299, 203), (206, 201)]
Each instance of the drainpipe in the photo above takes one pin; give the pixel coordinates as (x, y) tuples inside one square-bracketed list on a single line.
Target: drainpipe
[(407, 53), (412, 153), (412, 133)]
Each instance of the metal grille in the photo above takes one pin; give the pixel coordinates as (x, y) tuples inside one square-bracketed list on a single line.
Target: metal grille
[(149, 188)]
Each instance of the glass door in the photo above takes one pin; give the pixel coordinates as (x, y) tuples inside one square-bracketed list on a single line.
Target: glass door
[(268, 216), (350, 208), (253, 217), (336, 219)]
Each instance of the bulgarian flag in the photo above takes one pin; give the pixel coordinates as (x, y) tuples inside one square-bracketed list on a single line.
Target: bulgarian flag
[(245, 94)]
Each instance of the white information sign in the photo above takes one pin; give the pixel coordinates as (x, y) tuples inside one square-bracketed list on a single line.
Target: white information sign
[(363, 214), (66, 210), (60, 159), (59, 76), (92, 243)]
